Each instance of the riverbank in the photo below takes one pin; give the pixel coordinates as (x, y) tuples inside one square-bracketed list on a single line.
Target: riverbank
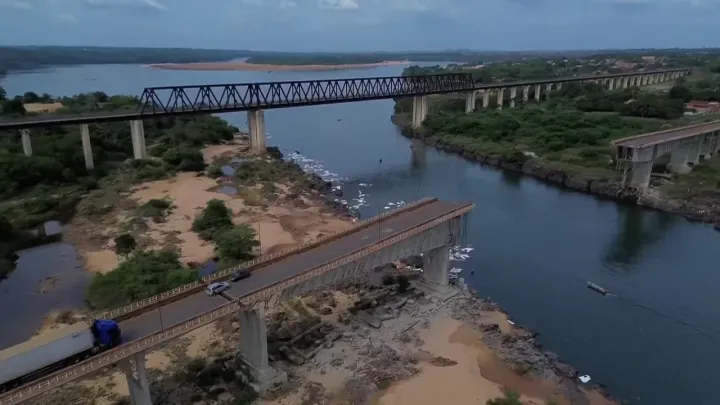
[(257, 67), (284, 205), (366, 342), (602, 183)]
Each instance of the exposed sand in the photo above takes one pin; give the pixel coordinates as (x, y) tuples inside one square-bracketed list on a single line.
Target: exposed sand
[(42, 107), (254, 67), (278, 225)]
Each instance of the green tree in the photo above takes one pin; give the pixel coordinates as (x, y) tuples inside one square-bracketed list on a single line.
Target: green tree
[(215, 218), (125, 244), (3, 94), (510, 398), (30, 97), (13, 107), (236, 244), (143, 275)]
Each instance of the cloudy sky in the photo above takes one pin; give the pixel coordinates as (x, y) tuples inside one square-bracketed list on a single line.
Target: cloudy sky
[(355, 25)]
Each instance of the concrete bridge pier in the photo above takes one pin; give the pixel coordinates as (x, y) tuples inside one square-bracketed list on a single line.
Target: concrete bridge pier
[(679, 159), (470, 101), (526, 94), (486, 98), (513, 93), (558, 86), (548, 88), (87, 148), (436, 271), (253, 348), (694, 150), (714, 143), (420, 109), (256, 129), (611, 84), (500, 98), (26, 143), (137, 133), (537, 92), (640, 174), (704, 151), (137, 380)]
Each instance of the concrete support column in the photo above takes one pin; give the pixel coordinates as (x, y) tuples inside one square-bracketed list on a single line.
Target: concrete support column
[(26, 144), (87, 148), (500, 98), (537, 92), (715, 145), (470, 101), (513, 93), (548, 87), (137, 133), (436, 263), (486, 98), (526, 94), (618, 83), (626, 82), (640, 174), (611, 84), (253, 339), (694, 150), (705, 146), (679, 159), (137, 381), (256, 128), (558, 86)]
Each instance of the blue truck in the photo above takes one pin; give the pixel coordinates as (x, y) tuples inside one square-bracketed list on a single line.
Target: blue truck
[(54, 350)]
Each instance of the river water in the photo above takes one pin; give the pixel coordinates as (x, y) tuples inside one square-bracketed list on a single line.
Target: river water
[(536, 245)]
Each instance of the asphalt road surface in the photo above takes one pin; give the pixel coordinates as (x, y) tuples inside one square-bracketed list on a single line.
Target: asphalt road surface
[(179, 311)]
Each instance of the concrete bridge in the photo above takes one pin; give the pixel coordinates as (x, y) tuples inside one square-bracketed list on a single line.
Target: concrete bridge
[(685, 145), (428, 226), (255, 98)]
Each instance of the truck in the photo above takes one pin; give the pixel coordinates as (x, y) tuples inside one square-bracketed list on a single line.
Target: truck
[(55, 350)]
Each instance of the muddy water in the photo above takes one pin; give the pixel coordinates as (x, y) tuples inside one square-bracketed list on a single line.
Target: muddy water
[(47, 278), (536, 245)]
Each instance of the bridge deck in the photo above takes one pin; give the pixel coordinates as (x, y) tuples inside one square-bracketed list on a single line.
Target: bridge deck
[(655, 138), (198, 303)]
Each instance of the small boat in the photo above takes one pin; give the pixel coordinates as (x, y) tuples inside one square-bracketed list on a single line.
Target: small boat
[(597, 288)]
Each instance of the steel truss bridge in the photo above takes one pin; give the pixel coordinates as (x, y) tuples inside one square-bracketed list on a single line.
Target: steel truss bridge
[(219, 98)]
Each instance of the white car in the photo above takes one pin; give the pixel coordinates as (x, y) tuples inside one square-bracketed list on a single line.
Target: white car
[(217, 288)]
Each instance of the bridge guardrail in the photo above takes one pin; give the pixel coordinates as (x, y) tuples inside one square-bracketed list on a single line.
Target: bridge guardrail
[(615, 142), (177, 293), (115, 355)]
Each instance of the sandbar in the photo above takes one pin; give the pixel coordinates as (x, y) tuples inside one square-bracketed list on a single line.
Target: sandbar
[(258, 67)]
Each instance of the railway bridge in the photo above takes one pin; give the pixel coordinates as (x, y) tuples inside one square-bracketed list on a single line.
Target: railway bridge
[(429, 226), (255, 98)]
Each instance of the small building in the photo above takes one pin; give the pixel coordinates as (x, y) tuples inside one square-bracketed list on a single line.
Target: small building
[(703, 106)]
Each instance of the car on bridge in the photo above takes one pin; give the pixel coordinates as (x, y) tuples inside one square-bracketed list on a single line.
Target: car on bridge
[(217, 288), (240, 275)]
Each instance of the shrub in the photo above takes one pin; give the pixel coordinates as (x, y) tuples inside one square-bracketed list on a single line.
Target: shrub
[(215, 218)]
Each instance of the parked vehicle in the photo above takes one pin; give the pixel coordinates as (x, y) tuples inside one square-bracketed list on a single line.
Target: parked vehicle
[(217, 288), (240, 275), (52, 351)]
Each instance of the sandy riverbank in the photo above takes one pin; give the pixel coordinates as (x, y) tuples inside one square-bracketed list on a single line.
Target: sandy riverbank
[(378, 347), (280, 223), (256, 67)]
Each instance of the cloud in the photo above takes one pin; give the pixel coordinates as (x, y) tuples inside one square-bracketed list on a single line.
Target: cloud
[(17, 4), (339, 4), (284, 4), (147, 4), (66, 17)]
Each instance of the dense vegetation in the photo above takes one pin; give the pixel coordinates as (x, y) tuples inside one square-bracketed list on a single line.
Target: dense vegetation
[(572, 128), (58, 165), (142, 275)]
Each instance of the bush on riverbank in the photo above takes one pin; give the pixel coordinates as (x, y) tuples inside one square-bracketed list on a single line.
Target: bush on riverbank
[(142, 275), (233, 243), (58, 163)]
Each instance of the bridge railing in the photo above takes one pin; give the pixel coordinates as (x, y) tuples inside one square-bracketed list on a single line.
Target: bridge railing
[(246, 96), (175, 294), (141, 345)]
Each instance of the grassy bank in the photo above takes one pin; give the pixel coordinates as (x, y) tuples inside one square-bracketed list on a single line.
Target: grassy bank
[(569, 148)]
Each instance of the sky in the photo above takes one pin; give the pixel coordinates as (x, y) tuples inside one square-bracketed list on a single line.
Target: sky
[(363, 25)]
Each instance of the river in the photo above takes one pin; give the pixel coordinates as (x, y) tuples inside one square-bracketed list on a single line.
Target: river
[(535, 245)]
